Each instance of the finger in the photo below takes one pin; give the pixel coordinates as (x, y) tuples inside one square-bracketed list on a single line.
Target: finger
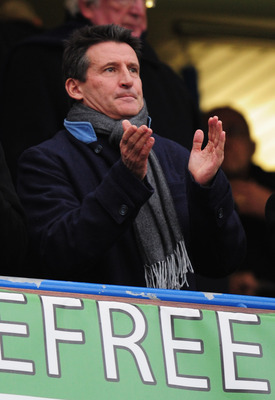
[(132, 134), (216, 133), (221, 143), (198, 140), (212, 128), (141, 165), (142, 135), (126, 141), (126, 124), (128, 129), (136, 159), (146, 148), (138, 138), (134, 148)]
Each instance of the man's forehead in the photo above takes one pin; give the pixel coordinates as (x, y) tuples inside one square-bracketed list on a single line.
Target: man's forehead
[(113, 51)]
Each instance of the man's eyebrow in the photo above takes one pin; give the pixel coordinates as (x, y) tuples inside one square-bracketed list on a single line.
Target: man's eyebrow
[(116, 64), (134, 64)]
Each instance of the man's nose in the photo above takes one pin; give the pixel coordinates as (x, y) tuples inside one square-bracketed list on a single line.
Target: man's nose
[(126, 78)]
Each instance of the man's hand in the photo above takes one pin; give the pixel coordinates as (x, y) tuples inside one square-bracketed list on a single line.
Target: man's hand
[(204, 164), (135, 146)]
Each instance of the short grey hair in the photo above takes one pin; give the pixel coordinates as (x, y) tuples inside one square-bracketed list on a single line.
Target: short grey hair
[(72, 5)]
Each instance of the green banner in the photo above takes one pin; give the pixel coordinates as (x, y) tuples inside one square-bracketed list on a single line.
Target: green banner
[(72, 347)]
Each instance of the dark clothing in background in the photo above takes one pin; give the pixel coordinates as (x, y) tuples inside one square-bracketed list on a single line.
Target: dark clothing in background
[(258, 258), (36, 102), (13, 234), (270, 222), (12, 32)]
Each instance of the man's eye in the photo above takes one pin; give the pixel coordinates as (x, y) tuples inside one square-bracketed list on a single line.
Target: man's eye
[(110, 69), (134, 70)]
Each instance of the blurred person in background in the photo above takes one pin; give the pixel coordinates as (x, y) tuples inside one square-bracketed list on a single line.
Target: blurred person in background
[(251, 187), (270, 223), (18, 20)]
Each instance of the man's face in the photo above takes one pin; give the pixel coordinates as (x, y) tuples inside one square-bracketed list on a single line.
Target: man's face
[(113, 85), (238, 154), (130, 14)]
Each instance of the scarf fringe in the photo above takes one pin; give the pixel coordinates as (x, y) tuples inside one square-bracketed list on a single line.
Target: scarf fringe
[(170, 273)]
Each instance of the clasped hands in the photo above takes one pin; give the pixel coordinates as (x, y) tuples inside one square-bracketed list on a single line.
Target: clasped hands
[(136, 144)]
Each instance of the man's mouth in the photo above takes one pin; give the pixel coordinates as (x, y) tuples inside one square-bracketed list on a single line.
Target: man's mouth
[(126, 95)]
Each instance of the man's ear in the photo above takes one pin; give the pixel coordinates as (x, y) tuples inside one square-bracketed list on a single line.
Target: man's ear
[(73, 89), (86, 9)]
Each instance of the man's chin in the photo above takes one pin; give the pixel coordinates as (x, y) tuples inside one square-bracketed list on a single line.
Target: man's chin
[(136, 30), (129, 112)]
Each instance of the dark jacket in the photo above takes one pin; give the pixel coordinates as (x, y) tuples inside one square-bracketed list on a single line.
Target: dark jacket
[(35, 100), (13, 232), (260, 257), (74, 195), (270, 242), (13, 31)]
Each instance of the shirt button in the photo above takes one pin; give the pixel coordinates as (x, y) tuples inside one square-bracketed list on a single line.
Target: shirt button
[(123, 210), (98, 149), (220, 213)]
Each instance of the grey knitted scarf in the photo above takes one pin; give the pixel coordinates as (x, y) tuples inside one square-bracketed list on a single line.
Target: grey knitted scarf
[(156, 226)]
